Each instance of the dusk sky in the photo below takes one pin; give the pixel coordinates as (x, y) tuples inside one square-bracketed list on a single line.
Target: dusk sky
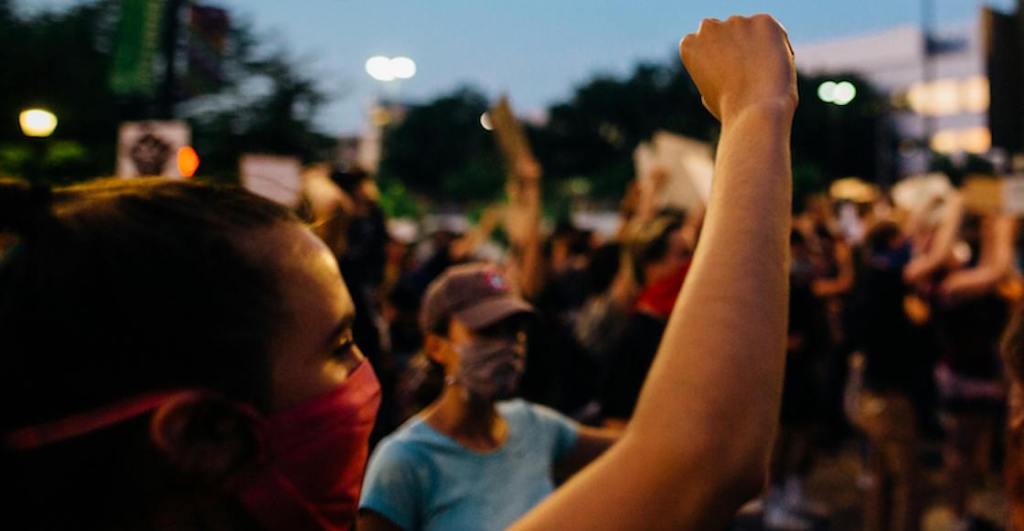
[(536, 50)]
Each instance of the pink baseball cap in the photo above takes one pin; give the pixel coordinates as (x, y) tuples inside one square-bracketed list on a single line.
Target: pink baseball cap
[(478, 294)]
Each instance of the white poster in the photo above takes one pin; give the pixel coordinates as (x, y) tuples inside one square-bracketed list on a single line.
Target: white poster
[(151, 148), (689, 164), (274, 177)]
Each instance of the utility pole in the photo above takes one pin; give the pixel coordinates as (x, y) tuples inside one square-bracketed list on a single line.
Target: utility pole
[(928, 70)]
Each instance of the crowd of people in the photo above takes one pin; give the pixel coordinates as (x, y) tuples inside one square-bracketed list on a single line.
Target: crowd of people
[(189, 356)]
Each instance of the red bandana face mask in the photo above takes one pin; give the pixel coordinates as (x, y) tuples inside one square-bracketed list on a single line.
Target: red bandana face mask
[(313, 458), (660, 297), (316, 457)]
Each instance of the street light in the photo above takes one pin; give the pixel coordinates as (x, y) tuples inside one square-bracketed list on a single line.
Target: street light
[(485, 121), (37, 122), (403, 67), (386, 69), (840, 93)]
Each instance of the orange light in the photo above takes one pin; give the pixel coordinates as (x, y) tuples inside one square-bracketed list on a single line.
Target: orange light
[(188, 161)]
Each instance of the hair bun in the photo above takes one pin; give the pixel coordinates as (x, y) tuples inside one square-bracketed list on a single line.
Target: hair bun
[(23, 205)]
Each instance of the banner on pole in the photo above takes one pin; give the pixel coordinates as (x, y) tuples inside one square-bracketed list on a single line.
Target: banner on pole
[(138, 37)]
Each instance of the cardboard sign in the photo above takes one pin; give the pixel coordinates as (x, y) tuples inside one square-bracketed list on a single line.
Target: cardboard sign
[(509, 133), (992, 195), (274, 177), (689, 164), (151, 148)]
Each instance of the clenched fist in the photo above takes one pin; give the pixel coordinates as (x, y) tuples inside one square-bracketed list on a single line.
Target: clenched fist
[(741, 62)]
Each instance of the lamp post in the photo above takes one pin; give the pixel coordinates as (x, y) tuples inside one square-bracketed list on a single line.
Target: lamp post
[(37, 124), (835, 94)]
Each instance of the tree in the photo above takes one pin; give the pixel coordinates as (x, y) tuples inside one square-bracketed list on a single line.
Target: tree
[(439, 149), (61, 60), (836, 141)]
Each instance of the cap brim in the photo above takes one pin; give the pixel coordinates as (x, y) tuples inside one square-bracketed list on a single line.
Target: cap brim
[(493, 310)]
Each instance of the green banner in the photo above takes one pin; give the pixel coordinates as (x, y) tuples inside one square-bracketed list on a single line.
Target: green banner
[(138, 39)]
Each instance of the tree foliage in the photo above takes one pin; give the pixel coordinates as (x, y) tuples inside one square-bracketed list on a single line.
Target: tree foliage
[(61, 61), (440, 149)]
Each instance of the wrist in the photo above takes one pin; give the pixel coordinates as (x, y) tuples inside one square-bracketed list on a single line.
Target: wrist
[(782, 108)]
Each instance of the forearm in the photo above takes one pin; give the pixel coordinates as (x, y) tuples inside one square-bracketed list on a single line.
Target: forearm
[(942, 244), (720, 363)]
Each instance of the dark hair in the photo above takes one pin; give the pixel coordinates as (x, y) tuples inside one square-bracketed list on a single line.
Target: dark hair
[(651, 243), (120, 287), (349, 178), (879, 237)]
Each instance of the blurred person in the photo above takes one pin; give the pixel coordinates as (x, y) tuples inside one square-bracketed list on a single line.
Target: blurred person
[(787, 505), (883, 330), (1012, 351), (659, 258), (969, 315), (473, 459), (706, 415)]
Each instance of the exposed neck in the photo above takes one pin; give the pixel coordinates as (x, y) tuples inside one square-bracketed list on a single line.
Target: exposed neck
[(472, 422)]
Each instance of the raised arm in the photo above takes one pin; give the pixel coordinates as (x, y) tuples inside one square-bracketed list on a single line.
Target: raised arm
[(945, 235), (698, 444)]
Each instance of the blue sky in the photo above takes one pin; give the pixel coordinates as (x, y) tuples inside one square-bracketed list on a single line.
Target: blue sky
[(536, 50)]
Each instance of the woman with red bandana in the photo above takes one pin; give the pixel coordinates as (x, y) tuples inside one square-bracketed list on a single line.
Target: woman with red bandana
[(659, 257)]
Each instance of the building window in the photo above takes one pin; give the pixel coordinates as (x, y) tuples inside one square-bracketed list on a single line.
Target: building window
[(946, 97), (971, 140)]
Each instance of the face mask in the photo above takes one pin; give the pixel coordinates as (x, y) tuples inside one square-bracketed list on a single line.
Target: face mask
[(659, 298), (313, 454), (490, 368), (316, 455)]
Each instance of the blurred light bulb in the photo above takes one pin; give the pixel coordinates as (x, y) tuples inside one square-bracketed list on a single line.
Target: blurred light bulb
[(402, 67), (844, 93), (37, 122), (826, 91), (379, 68)]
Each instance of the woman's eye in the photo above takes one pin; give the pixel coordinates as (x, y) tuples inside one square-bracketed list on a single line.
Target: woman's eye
[(344, 348)]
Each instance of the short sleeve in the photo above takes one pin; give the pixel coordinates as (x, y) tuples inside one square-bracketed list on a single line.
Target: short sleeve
[(563, 430), (391, 487)]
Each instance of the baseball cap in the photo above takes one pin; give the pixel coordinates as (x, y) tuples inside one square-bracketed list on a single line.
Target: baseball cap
[(479, 295)]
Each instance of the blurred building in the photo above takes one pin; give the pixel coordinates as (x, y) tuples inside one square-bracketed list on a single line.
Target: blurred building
[(943, 104)]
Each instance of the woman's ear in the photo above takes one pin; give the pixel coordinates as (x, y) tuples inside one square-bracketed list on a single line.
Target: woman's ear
[(436, 348), (206, 438)]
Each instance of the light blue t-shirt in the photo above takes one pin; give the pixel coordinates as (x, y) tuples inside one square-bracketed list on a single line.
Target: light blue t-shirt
[(421, 479)]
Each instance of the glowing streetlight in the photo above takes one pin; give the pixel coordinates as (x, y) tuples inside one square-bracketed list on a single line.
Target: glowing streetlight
[(844, 93), (386, 69), (402, 67), (826, 91), (839, 93), (379, 68), (37, 122)]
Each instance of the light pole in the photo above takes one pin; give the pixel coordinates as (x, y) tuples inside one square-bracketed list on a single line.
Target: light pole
[(836, 94), (37, 124), (390, 71)]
